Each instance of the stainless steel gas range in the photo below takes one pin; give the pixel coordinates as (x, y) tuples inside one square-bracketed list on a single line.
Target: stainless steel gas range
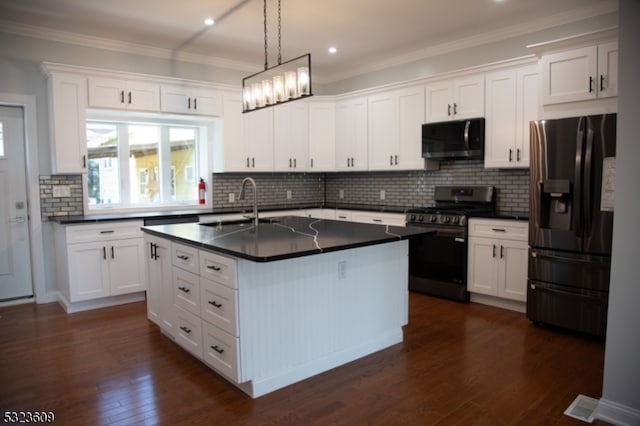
[(438, 261)]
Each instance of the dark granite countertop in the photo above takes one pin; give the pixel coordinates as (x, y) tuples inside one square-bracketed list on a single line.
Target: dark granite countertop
[(178, 216), (282, 237)]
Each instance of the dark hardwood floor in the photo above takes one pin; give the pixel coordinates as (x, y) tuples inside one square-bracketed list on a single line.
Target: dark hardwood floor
[(459, 364)]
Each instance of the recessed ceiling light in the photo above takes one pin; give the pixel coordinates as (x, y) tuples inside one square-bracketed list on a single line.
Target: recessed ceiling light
[(332, 50), (209, 22)]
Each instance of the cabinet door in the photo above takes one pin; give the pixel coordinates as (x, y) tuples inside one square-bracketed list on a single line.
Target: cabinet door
[(411, 116), (513, 270), (500, 119), (143, 96), (608, 70), (175, 98), (126, 266), (154, 277), (439, 97), (108, 93), (344, 132), (482, 270), (468, 97), (291, 136), (258, 132), (206, 101), (383, 131), (569, 76), (360, 135), (527, 98), (322, 136), (68, 102), (232, 153), (88, 271)]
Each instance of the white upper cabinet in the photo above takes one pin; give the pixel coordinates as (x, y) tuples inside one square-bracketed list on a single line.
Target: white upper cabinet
[(511, 102), (456, 99), (124, 94), (395, 126), (585, 73), (351, 134), (247, 141), (190, 99), (67, 105), (322, 136), (291, 136)]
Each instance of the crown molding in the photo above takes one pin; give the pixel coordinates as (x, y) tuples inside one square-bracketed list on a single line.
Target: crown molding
[(120, 46), (474, 41), (363, 67)]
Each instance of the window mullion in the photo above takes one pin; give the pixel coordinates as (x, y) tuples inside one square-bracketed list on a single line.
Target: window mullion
[(164, 162), (123, 159)]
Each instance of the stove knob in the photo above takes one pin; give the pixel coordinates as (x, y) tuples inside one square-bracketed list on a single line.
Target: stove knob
[(412, 218), (420, 218), (433, 218), (447, 219), (456, 220)]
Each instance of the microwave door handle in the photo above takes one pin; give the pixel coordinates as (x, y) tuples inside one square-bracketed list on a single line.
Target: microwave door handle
[(466, 134)]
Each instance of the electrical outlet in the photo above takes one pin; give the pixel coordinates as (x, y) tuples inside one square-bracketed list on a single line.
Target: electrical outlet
[(382, 194), (342, 270), (288, 194), (341, 193), (232, 197), (61, 191)]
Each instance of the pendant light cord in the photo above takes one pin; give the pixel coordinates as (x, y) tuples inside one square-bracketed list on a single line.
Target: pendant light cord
[(266, 60), (279, 36)]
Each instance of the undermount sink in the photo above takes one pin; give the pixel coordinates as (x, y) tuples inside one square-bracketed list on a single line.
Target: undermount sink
[(243, 221)]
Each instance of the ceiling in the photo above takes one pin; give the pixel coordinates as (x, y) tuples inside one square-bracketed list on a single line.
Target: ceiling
[(368, 34)]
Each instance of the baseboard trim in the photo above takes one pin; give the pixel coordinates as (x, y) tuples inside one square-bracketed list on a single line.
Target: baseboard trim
[(103, 302), (617, 414)]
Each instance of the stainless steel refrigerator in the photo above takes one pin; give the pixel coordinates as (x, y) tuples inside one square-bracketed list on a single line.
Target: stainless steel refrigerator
[(572, 184)]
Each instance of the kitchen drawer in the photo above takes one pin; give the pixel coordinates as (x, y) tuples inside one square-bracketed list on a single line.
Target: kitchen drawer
[(189, 331), (185, 257), (218, 268), (219, 305), (221, 351), (186, 290), (393, 219), (499, 228), (102, 232)]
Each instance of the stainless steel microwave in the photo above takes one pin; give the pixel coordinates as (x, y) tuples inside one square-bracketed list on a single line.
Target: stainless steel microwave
[(458, 139)]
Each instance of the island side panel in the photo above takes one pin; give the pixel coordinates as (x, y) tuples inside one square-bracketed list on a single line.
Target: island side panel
[(299, 317)]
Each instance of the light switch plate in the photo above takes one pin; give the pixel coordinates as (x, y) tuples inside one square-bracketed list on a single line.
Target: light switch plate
[(232, 197)]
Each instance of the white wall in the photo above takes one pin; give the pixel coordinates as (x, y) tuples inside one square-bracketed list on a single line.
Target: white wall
[(621, 383)]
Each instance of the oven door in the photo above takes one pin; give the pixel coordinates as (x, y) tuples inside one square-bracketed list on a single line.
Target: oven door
[(438, 264)]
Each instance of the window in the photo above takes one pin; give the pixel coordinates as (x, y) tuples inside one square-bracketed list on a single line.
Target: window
[(144, 163)]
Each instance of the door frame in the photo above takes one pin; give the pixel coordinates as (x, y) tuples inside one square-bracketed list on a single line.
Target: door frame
[(28, 105)]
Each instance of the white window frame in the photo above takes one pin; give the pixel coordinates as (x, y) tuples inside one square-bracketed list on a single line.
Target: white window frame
[(208, 128)]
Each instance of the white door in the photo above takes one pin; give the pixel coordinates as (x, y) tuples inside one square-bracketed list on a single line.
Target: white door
[(15, 258)]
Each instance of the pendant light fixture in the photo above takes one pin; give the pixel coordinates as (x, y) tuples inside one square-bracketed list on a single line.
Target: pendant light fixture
[(288, 81)]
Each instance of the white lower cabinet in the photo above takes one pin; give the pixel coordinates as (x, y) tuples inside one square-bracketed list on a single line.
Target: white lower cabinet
[(394, 219), (498, 256), (100, 260), (160, 291), (197, 304)]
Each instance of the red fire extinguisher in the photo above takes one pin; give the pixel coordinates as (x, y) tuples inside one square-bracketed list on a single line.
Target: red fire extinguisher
[(201, 191)]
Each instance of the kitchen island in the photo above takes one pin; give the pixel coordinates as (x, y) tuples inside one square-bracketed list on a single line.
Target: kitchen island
[(269, 305)]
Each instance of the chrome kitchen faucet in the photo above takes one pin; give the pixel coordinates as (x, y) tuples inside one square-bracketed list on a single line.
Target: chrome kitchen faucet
[(255, 197)]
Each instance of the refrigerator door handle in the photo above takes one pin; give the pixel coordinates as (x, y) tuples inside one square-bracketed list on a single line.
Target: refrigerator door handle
[(578, 181), (565, 259), (588, 166)]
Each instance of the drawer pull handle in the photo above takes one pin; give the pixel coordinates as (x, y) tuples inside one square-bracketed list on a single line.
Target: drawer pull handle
[(377, 220), (498, 230), (217, 349), (216, 304), (215, 268), (185, 329), (184, 289), (183, 257), (107, 232)]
